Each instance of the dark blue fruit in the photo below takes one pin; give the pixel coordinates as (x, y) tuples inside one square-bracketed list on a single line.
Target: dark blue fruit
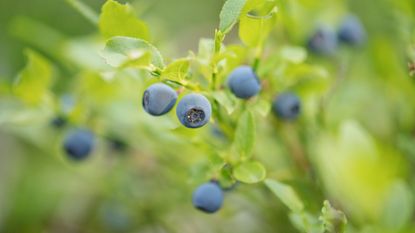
[(287, 106), (79, 144), (159, 99), (351, 31), (194, 110), (208, 197), (323, 42), (117, 144), (58, 122), (243, 82)]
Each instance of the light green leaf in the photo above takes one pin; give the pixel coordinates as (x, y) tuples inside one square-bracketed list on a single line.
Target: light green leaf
[(225, 101), (306, 222), (84, 53), (254, 28), (286, 194), (263, 107), (293, 54), (333, 221), (245, 135), (206, 50), (177, 70), (249, 172), (225, 178), (126, 51), (230, 14), (32, 84), (120, 20), (398, 206)]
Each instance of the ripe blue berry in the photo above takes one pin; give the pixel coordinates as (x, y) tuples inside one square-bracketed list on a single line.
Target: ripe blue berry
[(287, 106), (159, 99), (194, 110), (323, 42), (79, 144), (243, 82), (351, 31), (208, 197)]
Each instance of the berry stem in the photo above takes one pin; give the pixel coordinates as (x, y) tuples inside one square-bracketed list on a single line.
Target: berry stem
[(85, 11), (257, 59), (190, 87), (294, 146)]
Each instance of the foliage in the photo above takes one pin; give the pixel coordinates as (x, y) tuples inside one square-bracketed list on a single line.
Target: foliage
[(345, 165)]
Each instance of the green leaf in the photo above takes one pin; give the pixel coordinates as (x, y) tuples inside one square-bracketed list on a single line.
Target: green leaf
[(333, 221), (249, 172), (245, 135), (306, 222), (254, 28), (229, 14), (225, 177), (293, 54), (263, 107), (120, 20), (33, 82), (225, 101), (84, 53), (398, 206), (205, 50), (131, 52), (177, 70), (95, 90), (286, 194)]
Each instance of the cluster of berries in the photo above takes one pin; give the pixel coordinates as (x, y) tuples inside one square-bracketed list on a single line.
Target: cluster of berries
[(325, 41), (194, 111)]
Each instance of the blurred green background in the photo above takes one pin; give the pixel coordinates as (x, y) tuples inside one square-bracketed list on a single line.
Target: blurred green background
[(182, 27), (357, 130)]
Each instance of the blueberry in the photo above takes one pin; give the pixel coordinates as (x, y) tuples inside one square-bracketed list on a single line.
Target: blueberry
[(159, 99), (117, 144), (323, 42), (287, 106), (243, 82), (78, 144), (58, 122), (351, 31), (194, 110), (208, 197)]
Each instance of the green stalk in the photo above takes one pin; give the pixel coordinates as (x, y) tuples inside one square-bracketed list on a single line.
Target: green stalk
[(85, 11)]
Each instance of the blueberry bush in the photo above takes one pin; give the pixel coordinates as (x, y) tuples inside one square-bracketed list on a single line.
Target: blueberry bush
[(207, 116)]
